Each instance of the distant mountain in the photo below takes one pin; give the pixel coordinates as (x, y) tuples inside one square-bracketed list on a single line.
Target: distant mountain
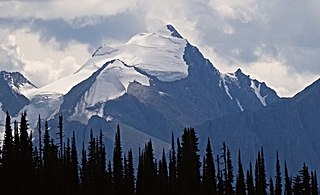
[(290, 126), (12, 86)]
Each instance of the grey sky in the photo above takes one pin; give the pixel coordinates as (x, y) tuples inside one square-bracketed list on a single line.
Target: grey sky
[(273, 41)]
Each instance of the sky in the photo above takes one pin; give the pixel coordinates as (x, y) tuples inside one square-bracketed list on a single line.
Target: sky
[(275, 41)]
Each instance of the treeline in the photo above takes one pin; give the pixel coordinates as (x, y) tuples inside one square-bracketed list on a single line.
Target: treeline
[(54, 168)]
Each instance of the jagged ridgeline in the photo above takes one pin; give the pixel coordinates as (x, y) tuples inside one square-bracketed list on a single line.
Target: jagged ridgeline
[(52, 167)]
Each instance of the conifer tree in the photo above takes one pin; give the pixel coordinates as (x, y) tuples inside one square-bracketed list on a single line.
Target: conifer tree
[(260, 174), (35, 157), (240, 185), (60, 133), (51, 169), (67, 173), (8, 156), (102, 153), (163, 174), (67, 152), (46, 145), (179, 162), (304, 173), (40, 141), (297, 185), (190, 163), (229, 179), (220, 188), (55, 164), (92, 165), (209, 175), (172, 168), (224, 158), (16, 140), (250, 185), (256, 174), (314, 183), (24, 136), (149, 170), (109, 183), (129, 173), (7, 148), (117, 163), (278, 189), (271, 187), (99, 170), (16, 150), (84, 170), (288, 186), (125, 166), (203, 174), (26, 161), (140, 186), (74, 165)]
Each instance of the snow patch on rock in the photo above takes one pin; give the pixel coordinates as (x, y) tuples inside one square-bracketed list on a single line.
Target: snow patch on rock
[(258, 93), (226, 79), (238, 102)]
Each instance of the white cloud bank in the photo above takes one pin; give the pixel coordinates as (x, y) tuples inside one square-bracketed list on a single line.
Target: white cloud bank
[(64, 9), (41, 62)]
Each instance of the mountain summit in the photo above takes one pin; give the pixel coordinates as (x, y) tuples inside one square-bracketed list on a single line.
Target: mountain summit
[(152, 85)]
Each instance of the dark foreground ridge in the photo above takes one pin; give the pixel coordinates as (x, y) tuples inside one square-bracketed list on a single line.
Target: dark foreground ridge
[(54, 168)]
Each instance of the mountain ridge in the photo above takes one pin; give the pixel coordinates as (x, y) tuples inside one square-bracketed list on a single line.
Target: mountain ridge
[(162, 106), (289, 126), (155, 84)]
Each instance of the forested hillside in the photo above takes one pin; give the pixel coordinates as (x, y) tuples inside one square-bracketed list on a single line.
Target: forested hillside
[(53, 167)]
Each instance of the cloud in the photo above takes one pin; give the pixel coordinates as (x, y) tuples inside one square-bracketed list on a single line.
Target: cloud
[(40, 62), (278, 76), (120, 27), (64, 9)]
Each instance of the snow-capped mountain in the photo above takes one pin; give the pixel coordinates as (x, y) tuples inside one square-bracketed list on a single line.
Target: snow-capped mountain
[(156, 56), (157, 83), (12, 88), (152, 85)]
